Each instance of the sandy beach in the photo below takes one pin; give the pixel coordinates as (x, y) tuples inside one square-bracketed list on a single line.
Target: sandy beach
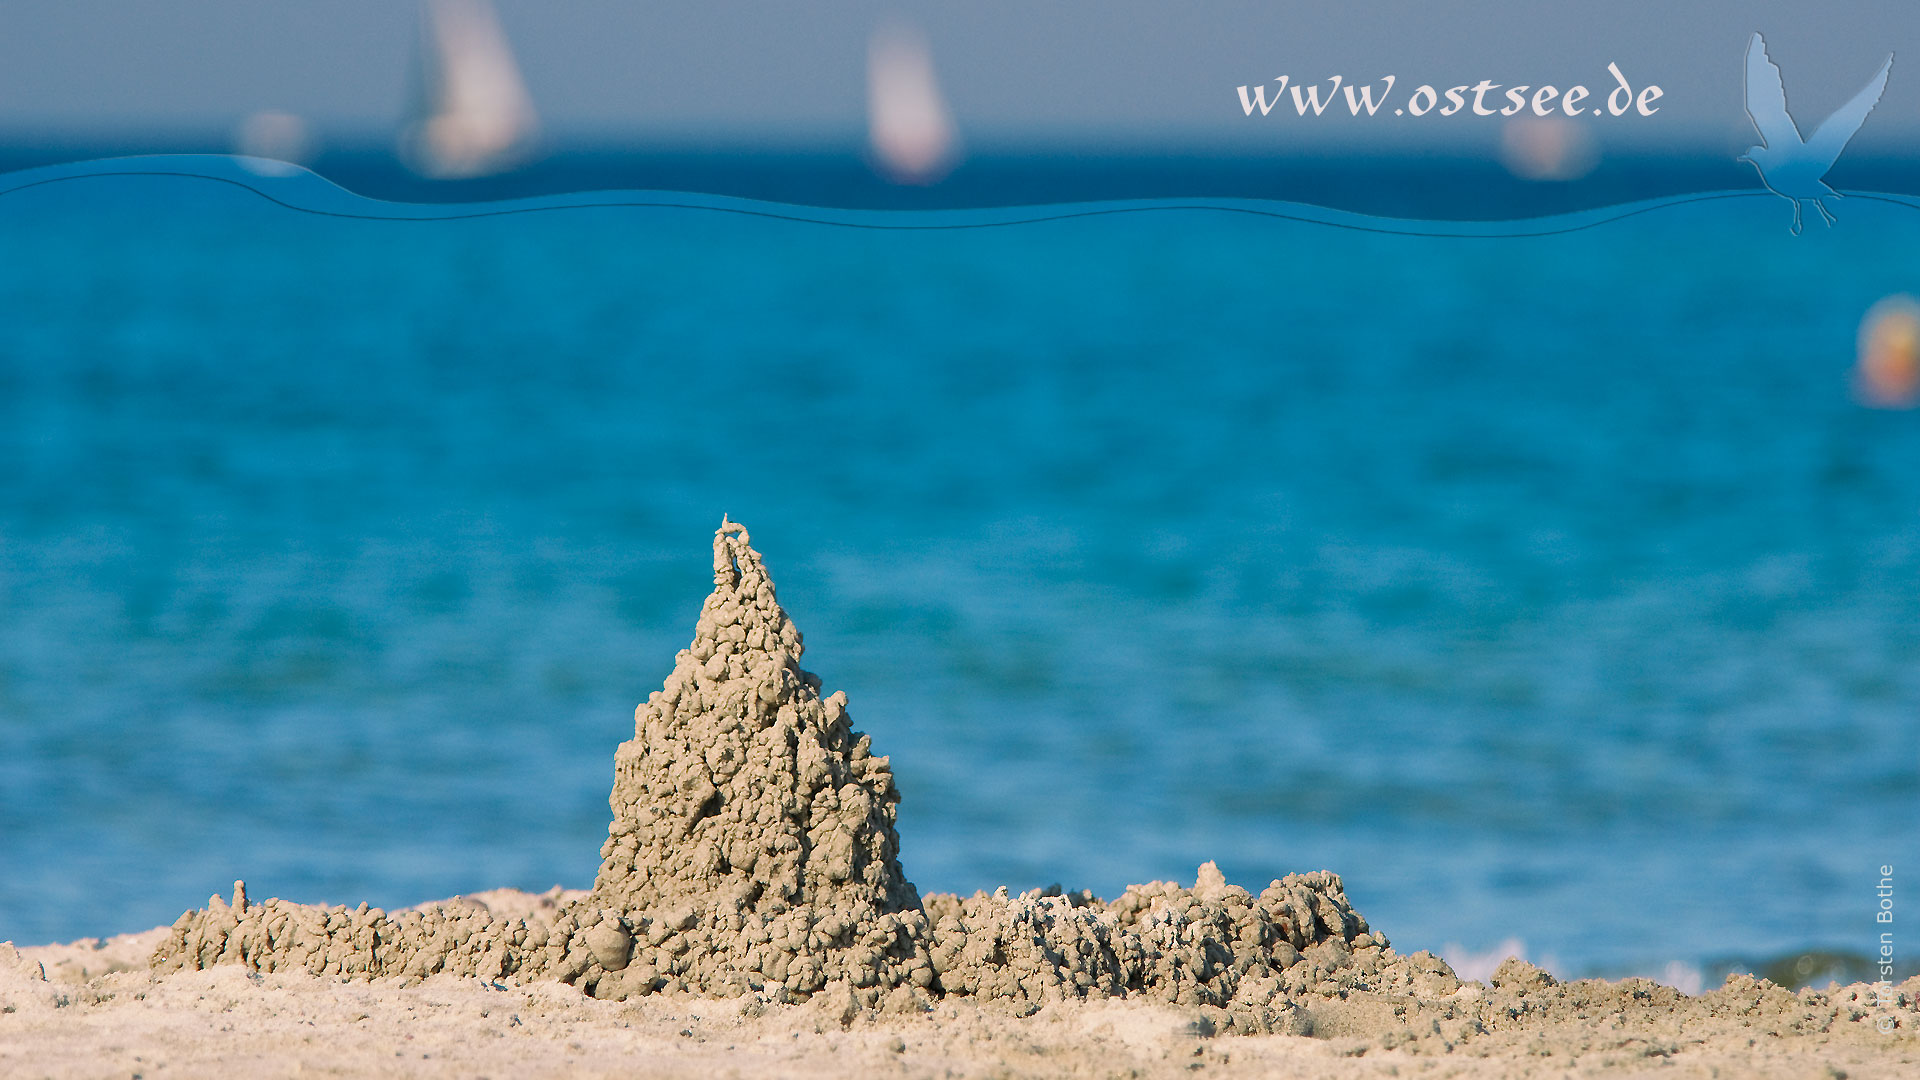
[(100, 1012), (751, 918)]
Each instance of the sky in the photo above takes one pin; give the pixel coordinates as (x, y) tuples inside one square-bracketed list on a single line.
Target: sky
[(1130, 72)]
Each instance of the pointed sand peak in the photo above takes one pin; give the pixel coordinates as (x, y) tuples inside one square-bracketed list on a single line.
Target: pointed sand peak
[(742, 787)]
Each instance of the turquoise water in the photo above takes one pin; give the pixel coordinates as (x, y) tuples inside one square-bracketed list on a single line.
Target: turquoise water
[(1551, 588)]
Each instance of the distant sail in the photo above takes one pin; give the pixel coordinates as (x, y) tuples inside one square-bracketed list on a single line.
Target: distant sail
[(1547, 148), (910, 131), (272, 143), (473, 116)]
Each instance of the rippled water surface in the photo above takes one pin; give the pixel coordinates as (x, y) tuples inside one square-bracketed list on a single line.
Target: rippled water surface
[(1546, 588)]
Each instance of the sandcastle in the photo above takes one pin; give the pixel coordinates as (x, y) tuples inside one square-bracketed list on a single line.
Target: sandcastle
[(753, 851)]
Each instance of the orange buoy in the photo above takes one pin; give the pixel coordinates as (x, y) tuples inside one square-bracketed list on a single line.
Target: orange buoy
[(1887, 374)]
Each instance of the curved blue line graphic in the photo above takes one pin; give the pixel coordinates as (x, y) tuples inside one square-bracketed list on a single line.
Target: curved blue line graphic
[(306, 192)]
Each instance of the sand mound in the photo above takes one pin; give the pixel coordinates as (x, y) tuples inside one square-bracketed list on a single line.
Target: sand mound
[(753, 852), (753, 829)]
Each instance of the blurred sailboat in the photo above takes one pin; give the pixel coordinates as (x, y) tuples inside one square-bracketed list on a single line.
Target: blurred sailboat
[(473, 116), (1547, 148), (273, 143), (910, 131)]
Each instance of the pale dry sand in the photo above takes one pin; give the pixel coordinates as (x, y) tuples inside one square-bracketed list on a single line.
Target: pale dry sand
[(101, 1012)]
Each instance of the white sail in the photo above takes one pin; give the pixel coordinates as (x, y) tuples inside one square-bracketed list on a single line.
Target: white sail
[(474, 116), (273, 143), (910, 131)]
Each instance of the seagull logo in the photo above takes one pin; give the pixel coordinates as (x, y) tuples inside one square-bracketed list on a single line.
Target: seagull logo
[(1791, 166)]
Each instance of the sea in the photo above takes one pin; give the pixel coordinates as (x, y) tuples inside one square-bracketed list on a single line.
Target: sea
[(1545, 577)]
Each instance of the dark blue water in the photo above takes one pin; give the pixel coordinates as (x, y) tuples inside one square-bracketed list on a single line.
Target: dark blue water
[(1547, 588)]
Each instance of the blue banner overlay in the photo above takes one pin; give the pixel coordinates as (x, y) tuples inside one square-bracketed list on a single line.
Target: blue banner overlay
[(301, 190)]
